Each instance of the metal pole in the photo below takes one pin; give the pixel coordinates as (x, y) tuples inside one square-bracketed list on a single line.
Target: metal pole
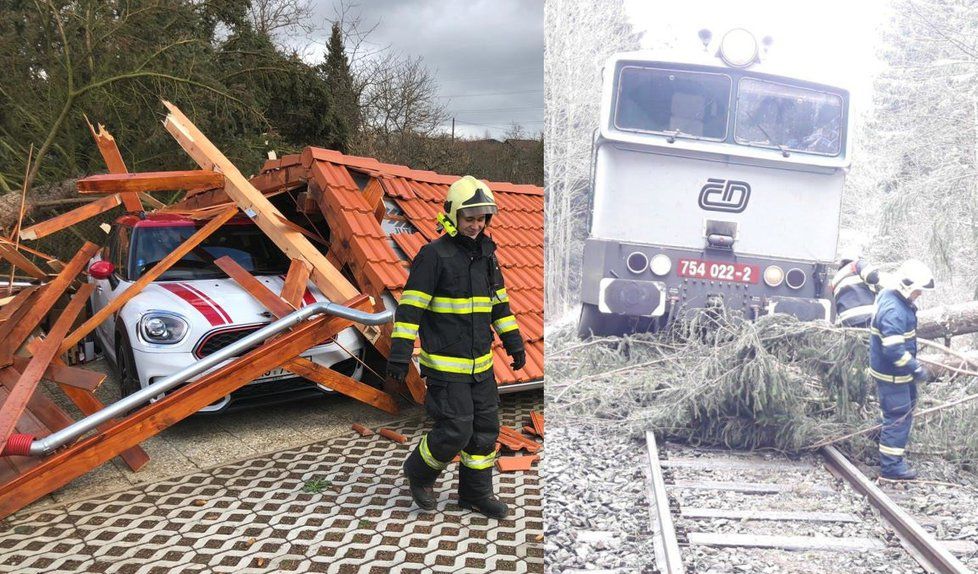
[(58, 439)]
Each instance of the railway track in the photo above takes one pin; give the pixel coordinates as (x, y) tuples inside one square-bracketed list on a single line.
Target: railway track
[(718, 511)]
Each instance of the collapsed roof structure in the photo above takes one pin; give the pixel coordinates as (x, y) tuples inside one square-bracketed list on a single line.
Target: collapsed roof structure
[(377, 216)]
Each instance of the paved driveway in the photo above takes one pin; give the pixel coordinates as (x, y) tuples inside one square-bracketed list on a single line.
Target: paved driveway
[(323, 499)]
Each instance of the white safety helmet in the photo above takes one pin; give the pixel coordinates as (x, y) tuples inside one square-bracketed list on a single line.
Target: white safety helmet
[(912, 276)]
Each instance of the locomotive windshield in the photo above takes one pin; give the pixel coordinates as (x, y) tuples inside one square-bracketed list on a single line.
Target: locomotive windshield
[(672, 102), (788, 118)]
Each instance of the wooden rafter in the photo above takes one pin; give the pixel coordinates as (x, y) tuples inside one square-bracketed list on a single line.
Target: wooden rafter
[(149, 181), (73, 461), (18, 260), (12, 408), (147, 278), (295, 283), (329, 279), (70, 218), (48, 295), (113, 160), (63, 374)]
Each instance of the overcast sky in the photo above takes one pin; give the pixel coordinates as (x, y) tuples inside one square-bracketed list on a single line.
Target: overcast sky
[(487, 55), (835, 39)]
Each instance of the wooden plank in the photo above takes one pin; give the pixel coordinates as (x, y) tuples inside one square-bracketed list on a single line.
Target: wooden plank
[(149, 181), (749, 487), (342, 384), (63, 374), (18, 260), (747, 463), (295, 283), (730, 539), (774, 515), (254, 287), (113, 160), (295, 246), (134, 457), (44, 302), (16, 302), (105, 312), (15, 404), (71, 462), (17, 317), (77, 215), (43, 407)]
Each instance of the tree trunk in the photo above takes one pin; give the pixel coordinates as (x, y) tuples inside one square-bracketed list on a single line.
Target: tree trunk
[(948, 320)]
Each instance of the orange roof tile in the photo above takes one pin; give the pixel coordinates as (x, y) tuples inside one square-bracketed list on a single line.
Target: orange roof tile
[(361, 242)]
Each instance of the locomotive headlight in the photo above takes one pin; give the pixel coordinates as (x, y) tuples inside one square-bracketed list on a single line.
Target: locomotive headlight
[(162, 328), (660, 264), (773, 276), (795, 278), (637, 262), (738, 48)]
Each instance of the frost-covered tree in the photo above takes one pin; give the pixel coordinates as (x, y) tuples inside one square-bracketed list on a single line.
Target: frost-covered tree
[(918, 164), (579, 37)]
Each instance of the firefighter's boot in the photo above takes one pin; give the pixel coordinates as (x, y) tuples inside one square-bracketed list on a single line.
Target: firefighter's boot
[(491, 507), (901, 471), (421, 476), (475, 486)]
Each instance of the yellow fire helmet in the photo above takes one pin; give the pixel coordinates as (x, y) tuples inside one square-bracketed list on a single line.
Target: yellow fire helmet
[(468, 196)]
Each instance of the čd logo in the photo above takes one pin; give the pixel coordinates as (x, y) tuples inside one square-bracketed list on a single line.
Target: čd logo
[(724, 195)]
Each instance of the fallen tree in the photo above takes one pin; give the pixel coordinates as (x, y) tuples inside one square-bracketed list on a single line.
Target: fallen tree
[(775, 383)]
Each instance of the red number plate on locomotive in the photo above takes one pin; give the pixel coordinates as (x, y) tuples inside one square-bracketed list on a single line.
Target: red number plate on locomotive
[(715, 271)]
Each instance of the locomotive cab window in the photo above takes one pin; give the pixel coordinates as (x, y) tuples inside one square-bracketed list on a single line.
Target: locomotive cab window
[(788, 118), (671, 102)]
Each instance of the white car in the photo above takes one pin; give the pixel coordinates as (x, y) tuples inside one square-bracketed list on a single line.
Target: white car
[(194, 309)]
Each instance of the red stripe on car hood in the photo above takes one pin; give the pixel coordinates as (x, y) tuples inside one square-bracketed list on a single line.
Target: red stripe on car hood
[(208, 311)]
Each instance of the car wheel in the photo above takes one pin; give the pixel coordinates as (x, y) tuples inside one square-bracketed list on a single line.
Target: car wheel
[(126, 366)]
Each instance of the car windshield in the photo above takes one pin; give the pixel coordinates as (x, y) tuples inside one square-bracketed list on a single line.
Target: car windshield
[(245, 244), (672, 102), (788, 118)]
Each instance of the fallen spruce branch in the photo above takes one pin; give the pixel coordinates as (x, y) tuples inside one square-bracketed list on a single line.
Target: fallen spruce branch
[(917, 415)]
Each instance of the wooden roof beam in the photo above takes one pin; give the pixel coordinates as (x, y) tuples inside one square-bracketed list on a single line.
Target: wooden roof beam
[(150, 181), (70, 218), (113, 160), (295, 246)]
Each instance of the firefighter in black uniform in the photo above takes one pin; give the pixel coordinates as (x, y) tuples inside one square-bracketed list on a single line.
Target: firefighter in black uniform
[(855, 286), (454, 293)]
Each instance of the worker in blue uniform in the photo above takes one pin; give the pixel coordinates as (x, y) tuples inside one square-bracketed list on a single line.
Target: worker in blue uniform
[(854, 288), (894, 365)]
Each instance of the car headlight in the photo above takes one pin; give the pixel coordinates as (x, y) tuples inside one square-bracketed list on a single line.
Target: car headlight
[(163, 328)]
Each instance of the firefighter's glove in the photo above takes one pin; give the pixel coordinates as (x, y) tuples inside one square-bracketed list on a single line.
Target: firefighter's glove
[(519, 360), (397, 371), (922, 375)]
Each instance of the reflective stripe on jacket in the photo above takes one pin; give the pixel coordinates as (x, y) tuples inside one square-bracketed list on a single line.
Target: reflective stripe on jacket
[(854, 287), (453, 298), (893, 339)]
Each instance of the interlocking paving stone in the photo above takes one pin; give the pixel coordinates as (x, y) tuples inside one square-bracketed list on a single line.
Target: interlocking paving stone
[(257, 515)]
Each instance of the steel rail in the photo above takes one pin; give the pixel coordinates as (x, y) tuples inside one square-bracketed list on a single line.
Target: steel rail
[(667, 555), (48, 444), (926, 549)]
